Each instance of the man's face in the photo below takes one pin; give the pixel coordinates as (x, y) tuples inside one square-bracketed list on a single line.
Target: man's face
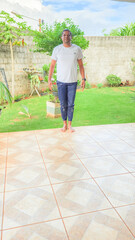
[(66, 37)]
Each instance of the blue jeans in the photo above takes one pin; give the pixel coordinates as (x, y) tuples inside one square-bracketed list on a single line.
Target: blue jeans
[(66, 93)]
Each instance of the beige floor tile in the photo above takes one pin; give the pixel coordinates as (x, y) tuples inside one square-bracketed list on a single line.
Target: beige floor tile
[(89, 149), (47, 132), (23, 141), (77, 138), (18, 158), (21, 134), (81, 130), (26, 176), (1, 210), (127, 133), (127, 160), (119, 189), (3, 134), (128, 215), (103, 166), (66, 171), (24, 144), (122, 131), (48, 141), (59, 152), (53, 230), (102, 134), (3, 143), (117, 147), (29, 206), (130, 141), (79, 197), (126, 126), (93, 129), (104, 225), (2, 159), (18, 137), (48, 138), (2, 179)]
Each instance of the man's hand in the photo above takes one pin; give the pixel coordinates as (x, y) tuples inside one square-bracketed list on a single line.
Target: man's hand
[(83, 84), (50, 85)]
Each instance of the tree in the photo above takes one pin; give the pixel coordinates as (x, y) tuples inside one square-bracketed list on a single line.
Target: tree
[(10, 33), (50, 36), (127, 30)]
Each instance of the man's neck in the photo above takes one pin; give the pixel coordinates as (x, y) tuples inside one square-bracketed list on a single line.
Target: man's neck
[(67, 44)]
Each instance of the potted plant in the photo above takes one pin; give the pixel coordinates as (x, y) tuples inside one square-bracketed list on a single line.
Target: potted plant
[(53, 106)]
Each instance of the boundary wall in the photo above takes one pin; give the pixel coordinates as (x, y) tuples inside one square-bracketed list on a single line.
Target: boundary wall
[(105, 55)]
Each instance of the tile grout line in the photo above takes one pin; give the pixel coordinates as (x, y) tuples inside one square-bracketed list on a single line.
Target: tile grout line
[(52, 184), (30, 224), (96, 182), (124, 222), (69, 181), (105, 195), (100, 210), (113, 156), (121, 139), (119, 154), (52, 189), (4, 190)]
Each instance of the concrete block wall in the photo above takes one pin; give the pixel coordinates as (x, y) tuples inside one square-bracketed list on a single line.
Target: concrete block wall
[(109, 55), (105, 55), (23, 58)]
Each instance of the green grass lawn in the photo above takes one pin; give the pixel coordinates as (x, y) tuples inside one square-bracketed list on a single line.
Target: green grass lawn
[(92, 107)]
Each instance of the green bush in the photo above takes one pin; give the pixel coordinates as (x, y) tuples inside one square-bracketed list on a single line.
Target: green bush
[(78, 83), (46, 68), (113, 80), (99, 85), (133, 66), (87, 85)]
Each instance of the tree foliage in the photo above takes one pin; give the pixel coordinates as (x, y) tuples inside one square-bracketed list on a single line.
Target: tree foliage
[(50, 36), (127, 30), (10, 33), (10, 29)]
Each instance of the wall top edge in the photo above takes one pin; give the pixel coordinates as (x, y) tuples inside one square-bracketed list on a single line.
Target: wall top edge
[(107, 37)]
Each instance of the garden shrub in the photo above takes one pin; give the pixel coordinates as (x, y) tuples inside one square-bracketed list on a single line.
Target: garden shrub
[(87, 85), (113, 80), (99, 85)]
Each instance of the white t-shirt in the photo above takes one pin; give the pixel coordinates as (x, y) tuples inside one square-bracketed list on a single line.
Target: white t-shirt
[(66, 58)]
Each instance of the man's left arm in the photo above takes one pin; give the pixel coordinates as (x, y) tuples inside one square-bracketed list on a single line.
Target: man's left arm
[(81, 67)]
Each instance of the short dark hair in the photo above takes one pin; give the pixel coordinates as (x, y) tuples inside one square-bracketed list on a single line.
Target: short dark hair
[(67, 30)]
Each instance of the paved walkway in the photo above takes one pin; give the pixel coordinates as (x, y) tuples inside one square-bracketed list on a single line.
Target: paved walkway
[(62, 186)]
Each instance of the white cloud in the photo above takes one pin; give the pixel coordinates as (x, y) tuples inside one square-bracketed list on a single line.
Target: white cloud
[(95, 16), (32, 4)]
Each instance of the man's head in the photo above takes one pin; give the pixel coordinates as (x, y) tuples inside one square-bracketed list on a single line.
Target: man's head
[(66, 36)]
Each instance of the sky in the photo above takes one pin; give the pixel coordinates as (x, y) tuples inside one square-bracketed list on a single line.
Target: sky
[(92, 16)]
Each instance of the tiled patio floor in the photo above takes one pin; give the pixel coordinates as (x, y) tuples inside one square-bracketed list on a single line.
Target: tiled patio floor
[(62, 186)]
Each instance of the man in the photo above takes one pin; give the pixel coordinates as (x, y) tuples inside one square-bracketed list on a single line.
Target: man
[(67, 55)]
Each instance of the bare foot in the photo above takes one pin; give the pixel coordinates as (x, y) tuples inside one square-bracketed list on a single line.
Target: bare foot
[(71, 129), (64, 128)]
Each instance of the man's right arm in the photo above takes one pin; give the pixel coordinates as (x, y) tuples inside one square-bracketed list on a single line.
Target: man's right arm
[(51, 70)]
